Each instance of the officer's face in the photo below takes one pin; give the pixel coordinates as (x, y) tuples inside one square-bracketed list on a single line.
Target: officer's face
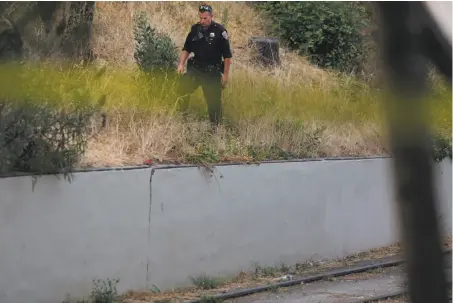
[(205, 18)]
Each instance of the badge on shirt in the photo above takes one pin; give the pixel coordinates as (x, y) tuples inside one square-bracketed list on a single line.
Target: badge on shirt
[(212, 35), (225, 35), (200, 35)]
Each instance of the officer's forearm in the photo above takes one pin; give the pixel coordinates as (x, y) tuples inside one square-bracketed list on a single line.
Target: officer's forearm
[(183, 57), (226, 71)]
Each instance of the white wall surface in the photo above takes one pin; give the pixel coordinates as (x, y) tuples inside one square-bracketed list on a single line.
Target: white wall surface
[(56, 239), (282, 212)]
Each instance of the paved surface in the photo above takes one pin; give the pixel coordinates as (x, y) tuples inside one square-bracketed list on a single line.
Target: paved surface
[(345, 289), (339, 290)]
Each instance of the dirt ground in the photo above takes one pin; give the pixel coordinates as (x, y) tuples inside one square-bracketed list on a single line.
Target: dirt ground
[(343, 289), (271, 275)]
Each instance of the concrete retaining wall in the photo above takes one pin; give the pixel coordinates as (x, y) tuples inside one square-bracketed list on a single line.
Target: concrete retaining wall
[(113, 224), (60, 237), (272, 213)]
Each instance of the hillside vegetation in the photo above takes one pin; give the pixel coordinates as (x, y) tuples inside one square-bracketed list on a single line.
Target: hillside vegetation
[(294, 111)]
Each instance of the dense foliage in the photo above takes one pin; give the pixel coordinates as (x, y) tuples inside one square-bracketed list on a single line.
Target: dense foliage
[(331, 34), (36, 137), (44, 124), (45, 116)]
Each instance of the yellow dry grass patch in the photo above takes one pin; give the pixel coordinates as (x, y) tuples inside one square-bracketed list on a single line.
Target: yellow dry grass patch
[(113, 39), (266, 117), (295, 110)]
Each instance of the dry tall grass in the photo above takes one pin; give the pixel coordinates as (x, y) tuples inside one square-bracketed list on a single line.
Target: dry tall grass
[(293, 111), (265, 118), (113, 25), (113, 40)]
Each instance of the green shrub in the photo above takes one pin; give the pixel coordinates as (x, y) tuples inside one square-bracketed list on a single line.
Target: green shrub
[(44, 126), (329, 33), (207, 282), (153, 50), (104, 291), (39, 138)]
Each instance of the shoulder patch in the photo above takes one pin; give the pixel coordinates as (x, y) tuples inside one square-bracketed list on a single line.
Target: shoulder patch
[(225, 35)]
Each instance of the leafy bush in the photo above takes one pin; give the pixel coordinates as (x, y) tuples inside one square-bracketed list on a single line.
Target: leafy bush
[(153, 50), (44, 125), (39, 138), (104, 291), (329, 33)]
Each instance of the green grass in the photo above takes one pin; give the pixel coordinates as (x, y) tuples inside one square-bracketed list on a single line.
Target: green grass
[(207, 282), (267, 117), (249, 95), (104, 291)]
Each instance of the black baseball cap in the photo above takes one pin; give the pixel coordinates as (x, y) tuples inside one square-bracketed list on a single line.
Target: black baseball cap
[(205, 8)]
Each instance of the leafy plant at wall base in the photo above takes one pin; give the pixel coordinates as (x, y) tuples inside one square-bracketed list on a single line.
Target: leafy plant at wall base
[(104, 291), (205, 154), (206, 282)]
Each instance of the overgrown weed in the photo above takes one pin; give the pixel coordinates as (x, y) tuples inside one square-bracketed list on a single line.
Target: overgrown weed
[(207, 282), (103, 291)]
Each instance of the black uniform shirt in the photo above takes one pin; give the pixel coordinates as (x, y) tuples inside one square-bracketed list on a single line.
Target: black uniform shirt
[(210, 45)]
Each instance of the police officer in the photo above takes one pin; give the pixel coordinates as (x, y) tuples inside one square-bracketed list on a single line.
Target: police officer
[(209, 42)]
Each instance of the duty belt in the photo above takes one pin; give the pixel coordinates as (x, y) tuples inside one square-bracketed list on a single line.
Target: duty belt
[(204, 67)]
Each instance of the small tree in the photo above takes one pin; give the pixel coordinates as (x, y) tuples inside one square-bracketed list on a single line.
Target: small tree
[(153, 50)]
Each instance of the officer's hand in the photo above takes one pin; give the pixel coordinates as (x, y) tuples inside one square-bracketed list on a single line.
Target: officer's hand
[(180, 69), (224, 81)]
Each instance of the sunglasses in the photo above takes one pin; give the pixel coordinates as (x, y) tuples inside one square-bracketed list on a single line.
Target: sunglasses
[(205, 8)]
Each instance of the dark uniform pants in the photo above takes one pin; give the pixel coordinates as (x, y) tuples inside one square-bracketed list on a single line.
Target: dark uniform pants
[(210, 80)]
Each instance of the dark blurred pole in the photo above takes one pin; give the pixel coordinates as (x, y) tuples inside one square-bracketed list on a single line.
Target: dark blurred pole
[(403, 50)]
